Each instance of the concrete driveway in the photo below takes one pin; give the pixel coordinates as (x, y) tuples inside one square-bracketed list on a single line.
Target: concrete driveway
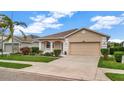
[(73, 67)]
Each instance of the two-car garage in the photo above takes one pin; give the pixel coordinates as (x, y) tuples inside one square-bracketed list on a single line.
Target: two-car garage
[(84, 48)]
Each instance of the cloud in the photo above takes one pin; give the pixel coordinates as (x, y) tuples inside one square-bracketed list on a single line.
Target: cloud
[(116, 40), (43, 22), (60, 14), (106, 22)]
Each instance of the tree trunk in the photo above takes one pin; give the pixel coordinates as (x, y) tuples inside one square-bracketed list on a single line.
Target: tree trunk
[(12, 45), (105, 56), (2, 42)]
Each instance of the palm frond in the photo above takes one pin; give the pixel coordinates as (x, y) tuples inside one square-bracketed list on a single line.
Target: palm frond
[(20, 24), (8, 38), (25, 37)]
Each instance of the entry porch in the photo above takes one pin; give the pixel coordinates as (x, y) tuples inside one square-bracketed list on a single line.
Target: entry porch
[(51, 45)]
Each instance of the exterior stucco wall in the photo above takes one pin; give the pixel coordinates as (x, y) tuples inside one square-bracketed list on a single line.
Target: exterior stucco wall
[(25, 45), (85, 36), (35, 44), (66, 46)]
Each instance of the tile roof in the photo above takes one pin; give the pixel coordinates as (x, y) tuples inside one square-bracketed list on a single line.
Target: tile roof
[(62, 35), (28, 38), (59, 35)]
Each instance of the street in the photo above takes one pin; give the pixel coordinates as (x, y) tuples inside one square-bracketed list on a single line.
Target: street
[(12, 75)]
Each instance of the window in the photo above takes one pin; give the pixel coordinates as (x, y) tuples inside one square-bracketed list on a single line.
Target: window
[(48, 45)]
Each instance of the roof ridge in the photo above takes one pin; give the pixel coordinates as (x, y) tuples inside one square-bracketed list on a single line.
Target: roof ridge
[(62, 32), (97, 32)]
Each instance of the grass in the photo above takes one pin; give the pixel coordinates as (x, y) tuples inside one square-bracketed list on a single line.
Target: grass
[(13, 65), (28, 58), (115, 76), (110, 63)]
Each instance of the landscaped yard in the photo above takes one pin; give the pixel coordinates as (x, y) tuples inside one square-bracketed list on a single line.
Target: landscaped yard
[(28, 58), (110, 63), (115, 76), (13, 65)]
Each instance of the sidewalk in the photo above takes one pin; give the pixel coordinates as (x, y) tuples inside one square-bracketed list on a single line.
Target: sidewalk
[(102, 77), (37, 66)]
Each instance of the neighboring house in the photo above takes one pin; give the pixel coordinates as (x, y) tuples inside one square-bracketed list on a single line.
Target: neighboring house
[(19, 42), (122, 43), (75, 42)]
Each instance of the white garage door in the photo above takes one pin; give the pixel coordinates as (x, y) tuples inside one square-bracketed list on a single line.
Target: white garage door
[(86, 49), (8, 47)]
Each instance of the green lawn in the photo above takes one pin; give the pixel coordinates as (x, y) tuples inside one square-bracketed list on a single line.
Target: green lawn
[(13, 65), (115, 76), (110, 63), (28, 58)]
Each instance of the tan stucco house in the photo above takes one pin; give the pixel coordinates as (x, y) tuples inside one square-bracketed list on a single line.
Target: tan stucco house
[(75, 42)]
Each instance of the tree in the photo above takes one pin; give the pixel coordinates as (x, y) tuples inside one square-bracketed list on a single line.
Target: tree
[(16, 23), (105, 52), (4, 25), (8, 23)]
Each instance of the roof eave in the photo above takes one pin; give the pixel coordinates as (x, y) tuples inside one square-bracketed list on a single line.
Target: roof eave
[(60, 38), (96, 32)]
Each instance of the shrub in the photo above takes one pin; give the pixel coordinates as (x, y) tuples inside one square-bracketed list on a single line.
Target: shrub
[(18, 53), (57, 52), (25, 50), (35, 50), (118, 56), (105, 52), (40, 52), (112, 50), (121, 48), (48, 54), (0, 50)]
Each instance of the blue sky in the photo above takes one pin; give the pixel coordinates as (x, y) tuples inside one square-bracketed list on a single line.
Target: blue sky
[(46, 22)]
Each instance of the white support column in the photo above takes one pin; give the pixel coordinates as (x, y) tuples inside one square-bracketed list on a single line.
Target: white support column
[(63, 46), (40, 45), (51, 46)]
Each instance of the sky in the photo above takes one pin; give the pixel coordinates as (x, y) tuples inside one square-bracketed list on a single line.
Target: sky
[(43, 23)]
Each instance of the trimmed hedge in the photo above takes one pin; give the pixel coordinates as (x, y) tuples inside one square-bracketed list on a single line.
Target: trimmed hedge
[(35, 50), (112, 50), (48, 54), (118, 56), (57, 52)]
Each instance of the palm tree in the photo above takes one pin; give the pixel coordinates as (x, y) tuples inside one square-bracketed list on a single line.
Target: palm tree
[(16, 23), (4, 25), (8, 23)]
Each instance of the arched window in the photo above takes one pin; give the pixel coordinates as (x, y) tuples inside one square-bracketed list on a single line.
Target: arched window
[(47, 44)]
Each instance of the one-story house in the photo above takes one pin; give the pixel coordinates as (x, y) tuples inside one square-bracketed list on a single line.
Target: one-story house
[(82, 41), (19, 42)]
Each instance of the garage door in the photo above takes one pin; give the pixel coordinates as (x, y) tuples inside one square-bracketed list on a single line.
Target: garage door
[(86, 49), (8, 47)]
